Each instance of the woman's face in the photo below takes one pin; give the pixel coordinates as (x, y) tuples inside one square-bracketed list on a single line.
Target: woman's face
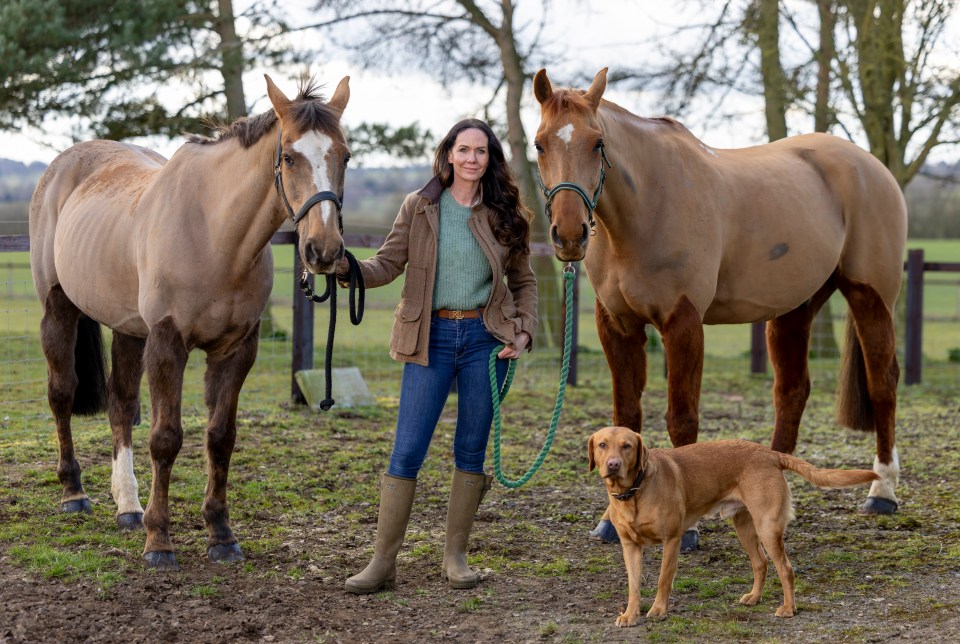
[(470, 155)]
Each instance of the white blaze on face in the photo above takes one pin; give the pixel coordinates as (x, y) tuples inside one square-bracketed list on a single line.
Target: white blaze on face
[(123, 483), (314, 146), (566, 133)]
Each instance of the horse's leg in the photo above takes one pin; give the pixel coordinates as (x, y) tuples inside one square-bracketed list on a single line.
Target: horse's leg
[(877, 343), (124, 397), (625, 350), (788, 344), (223, 380), (165, 357), (683, 343), (682, 333), (58, 336)]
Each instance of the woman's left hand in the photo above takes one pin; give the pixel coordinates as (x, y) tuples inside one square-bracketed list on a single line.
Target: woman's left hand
[(513, 351)]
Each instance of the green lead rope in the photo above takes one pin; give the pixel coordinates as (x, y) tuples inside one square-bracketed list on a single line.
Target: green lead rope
[(497, 397)]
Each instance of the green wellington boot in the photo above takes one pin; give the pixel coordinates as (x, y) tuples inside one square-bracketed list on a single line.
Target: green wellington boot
[(396, 500), (465, 495)]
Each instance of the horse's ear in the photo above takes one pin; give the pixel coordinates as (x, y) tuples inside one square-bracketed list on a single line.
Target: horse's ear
[(595, 93), (341, 96), (278, 98), (541, 86)]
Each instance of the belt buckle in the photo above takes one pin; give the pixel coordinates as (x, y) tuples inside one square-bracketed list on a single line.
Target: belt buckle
[(457, 315)]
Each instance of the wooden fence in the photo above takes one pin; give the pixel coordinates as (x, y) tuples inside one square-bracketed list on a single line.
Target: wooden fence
[(303, 318)]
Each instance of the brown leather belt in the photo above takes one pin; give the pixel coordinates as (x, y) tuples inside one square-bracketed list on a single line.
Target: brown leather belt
[(450, 314)]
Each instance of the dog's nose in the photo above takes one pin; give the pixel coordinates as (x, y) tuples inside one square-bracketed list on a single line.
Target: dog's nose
[(613, 464)]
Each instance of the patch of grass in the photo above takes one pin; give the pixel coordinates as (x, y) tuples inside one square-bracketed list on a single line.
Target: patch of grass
[(470, 605), (55, 563), (204, 590)]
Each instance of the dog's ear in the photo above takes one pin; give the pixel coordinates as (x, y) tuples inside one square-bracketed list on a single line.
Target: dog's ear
[(642, 454), (590, 454)]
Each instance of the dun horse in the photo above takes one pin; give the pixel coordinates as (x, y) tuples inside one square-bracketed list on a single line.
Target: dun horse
[(175, 255), (685, 235)]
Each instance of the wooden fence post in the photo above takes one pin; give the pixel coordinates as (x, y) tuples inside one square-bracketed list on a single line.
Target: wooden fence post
[(302, 328), (758, 347), (913, 333)]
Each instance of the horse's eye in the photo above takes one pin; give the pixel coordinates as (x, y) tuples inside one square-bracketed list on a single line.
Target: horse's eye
[(538, 147), (346, 160), (288, 159), (598, 146)]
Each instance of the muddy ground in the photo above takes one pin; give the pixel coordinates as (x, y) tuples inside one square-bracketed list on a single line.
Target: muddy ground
[(858, 578)]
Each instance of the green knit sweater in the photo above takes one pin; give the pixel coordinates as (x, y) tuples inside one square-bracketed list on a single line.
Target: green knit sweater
[(463, 273)]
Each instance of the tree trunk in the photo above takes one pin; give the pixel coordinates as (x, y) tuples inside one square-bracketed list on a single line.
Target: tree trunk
[(550, 332), (823, 342), (774, 83), (231, 64)]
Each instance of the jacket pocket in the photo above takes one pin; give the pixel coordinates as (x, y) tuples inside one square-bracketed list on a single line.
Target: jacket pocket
[(406, 327)]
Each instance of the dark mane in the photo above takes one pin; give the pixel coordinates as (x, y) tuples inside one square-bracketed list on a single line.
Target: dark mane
[(308, 111)]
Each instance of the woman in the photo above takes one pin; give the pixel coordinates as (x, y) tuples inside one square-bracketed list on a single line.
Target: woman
[(463, 242)]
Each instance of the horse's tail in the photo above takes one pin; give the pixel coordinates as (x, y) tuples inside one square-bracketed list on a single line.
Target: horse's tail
[(90, 365), (854, 409), (826, 478)]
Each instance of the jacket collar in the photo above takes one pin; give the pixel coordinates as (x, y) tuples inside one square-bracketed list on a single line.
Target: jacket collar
[(431, 192)]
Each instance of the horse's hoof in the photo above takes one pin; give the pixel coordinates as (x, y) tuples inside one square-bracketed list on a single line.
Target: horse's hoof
[(77, 505), (605, 532), (690, 541), (130, 521), (161, 560), (225, 553), (878, 505)]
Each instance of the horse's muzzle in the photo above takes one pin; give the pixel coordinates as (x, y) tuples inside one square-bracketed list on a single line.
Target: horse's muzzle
[(569, 250), (321, 259)]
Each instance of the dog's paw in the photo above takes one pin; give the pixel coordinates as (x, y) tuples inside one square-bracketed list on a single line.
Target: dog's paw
[(783, 611), (750, 599), (657, 611), (624, 620)]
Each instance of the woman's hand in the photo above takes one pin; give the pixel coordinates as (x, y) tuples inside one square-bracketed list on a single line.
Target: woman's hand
[(343, 267), (513, 351)]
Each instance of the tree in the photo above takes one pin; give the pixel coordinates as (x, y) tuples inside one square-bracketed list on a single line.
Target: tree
[(866, 69), (460, 40), (98, 64)]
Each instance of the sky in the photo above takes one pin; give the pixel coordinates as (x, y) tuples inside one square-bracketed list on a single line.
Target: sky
[(590, 33)]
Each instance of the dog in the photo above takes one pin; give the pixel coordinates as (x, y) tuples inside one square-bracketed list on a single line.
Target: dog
[(656, 494)]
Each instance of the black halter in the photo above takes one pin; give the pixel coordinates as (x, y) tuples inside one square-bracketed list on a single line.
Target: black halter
[(629, 494), (591, 204), (323, 195)]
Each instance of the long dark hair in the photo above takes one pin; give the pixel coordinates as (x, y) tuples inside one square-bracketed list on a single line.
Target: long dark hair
[(500, 191)]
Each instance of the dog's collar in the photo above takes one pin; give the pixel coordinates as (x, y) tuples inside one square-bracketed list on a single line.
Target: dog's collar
[(629, 494)]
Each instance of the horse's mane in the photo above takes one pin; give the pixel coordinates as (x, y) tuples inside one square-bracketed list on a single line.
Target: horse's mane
[(572, 99), (309, 111)]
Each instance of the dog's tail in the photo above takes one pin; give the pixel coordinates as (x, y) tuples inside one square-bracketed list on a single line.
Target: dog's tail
[(826, 478)]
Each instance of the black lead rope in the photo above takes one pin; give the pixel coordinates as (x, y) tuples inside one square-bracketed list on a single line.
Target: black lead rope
[(355, 279), (354, 276)]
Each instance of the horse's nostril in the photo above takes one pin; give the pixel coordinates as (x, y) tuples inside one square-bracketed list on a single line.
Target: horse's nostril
[(310, 253), (555, 237), (586, 233)]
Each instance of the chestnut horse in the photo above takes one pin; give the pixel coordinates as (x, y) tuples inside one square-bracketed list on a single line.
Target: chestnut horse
[(682, 234), (175, 255)]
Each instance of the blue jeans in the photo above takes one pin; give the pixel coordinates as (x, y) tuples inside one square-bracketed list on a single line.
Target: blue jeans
[(459, 350)]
